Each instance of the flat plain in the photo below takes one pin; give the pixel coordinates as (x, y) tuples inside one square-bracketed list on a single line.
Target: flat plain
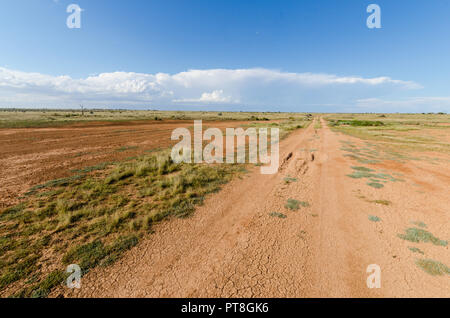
[(99, 189)]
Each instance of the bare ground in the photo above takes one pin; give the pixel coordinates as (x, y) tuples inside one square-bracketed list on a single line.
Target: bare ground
[(32, 156), (232, 247)]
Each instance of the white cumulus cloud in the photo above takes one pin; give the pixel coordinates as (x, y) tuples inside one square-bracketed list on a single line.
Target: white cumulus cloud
[(214, 97), (242, 88)]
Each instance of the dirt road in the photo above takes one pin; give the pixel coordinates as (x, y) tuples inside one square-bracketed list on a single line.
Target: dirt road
[(233, 247)]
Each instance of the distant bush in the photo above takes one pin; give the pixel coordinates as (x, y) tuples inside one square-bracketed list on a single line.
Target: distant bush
[(258, 119), (356, 123)]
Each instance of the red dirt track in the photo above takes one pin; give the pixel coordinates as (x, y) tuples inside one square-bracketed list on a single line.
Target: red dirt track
[(231, 247)]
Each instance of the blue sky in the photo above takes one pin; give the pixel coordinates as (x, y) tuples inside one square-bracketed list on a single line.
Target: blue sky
[(227, 55)]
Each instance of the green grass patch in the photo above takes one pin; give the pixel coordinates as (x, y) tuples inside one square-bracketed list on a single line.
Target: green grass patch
[(52, 280), (364, 169), (292, 205), (420, 224), (416, 250), (86, 256), (55, 183), (22, 265), (304, 204), (432, 267), (357, 123), (375, 185), (289, 180), (420, 235), (43, 288), (366, 161), (360, 175), (12, 212), (375, 178), (278, 215), (91, 254), (374, 218)]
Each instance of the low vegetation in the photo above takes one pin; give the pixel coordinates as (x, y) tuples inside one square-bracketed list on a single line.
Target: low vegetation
[(285, 126), (376, 179), (433, 267), (416, 250), (278, 215), (375, 185), (419, 224), (93, 216), (304, 204), (317, 124), (289, 180), (90, 219), (295, 205), (356, 123), (397, 135), (417, 235), (27, 118), (379, 201), (292, 205), (374, 218)]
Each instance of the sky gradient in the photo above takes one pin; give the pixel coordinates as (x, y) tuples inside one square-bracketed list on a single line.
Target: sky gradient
[(227, 55)]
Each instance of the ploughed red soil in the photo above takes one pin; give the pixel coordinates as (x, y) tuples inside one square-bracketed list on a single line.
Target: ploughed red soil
[(233, 247), (32, 156)]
